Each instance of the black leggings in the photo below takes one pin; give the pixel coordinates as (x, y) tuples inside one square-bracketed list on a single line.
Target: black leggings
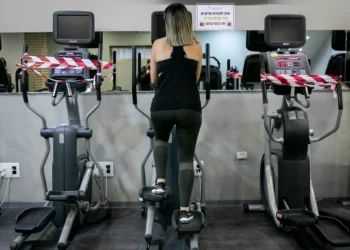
[(188, 123)]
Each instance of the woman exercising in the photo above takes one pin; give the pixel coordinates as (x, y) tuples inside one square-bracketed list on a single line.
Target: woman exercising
[(176, 64)]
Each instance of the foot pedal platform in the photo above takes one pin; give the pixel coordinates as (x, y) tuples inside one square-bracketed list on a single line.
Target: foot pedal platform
[(34, 220), (298, 218), (63, 196), (146, 195), (193, 227), (337, 211), (333, 231)]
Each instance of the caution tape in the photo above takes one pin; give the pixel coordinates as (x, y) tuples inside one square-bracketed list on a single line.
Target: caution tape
[(61, 80), (45, 62), (295, 80)]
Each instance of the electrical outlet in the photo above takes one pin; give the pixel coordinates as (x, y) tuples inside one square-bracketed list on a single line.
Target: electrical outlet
[(242, 155), (196, 168), (9, 170), (107, 169)]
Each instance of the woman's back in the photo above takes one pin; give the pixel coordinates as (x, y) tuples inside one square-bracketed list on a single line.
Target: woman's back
[(163, 50), (177, 69)]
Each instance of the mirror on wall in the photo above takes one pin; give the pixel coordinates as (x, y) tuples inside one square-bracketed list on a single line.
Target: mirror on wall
[(346, 62), (225, 45)]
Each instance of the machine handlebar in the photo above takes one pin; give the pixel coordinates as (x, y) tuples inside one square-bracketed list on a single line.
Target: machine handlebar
[(114, 70), (339, 63), (98, 87), (24, 82), (98, 77), (134, 76), (207, 75), (340, 97)]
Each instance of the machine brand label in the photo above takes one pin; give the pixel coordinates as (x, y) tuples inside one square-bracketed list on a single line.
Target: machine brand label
[(61, 138), (292, 115), (301, 115)]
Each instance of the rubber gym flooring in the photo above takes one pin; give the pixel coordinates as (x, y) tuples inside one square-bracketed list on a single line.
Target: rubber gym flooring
[(227, 228)]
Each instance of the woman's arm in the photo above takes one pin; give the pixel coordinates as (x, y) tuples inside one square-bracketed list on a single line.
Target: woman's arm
[(199, 69), (153, 65)]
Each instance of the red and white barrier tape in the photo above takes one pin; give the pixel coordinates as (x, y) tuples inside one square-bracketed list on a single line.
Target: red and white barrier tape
[(328, 81), (61, 81), (296, 80), (234, 75), (45, 62)]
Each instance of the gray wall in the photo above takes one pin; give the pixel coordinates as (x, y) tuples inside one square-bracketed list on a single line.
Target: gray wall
[(135, 15), (231, 123)]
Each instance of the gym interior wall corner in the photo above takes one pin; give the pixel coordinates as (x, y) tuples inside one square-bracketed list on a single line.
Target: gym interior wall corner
[(69, 204)]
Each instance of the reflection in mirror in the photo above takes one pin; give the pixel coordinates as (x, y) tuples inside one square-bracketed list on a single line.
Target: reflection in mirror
[(346, 70), (228, 45), (225, 45), (337, 63), (122, 43)]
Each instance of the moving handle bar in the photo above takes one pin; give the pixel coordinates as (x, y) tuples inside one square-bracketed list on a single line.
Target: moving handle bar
[(266, 117), (340, 105)]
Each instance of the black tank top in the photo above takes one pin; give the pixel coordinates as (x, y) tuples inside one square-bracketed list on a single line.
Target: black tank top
[(177, 88)]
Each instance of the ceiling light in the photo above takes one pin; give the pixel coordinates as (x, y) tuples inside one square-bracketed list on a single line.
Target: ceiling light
[(307, 37)]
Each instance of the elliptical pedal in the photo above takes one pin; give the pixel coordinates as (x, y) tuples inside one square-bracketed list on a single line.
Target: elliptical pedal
[(333, 231), (34, 220), (296, 218), (193, 227), (146, 195)]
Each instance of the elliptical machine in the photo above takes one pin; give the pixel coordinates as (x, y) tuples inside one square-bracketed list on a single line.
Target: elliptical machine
[(286, 189), (164, 208), (69, 203)]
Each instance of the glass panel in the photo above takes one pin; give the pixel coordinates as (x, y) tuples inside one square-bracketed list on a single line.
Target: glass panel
[(225, 45)]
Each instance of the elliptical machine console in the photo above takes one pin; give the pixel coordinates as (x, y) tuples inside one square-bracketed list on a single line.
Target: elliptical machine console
[(286, 189), (76, 76), (69, 201)]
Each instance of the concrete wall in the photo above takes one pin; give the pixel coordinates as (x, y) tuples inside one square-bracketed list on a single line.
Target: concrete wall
[(231, 123), (135, 15)]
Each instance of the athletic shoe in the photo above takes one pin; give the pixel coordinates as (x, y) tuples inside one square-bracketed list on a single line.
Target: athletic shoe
[(159, 188), (185, 217)]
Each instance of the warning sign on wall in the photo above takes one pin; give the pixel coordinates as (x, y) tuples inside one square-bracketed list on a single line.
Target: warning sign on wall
[(215, 17)]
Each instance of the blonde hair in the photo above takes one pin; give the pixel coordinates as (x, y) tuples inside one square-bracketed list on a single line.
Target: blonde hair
[(178, 26)]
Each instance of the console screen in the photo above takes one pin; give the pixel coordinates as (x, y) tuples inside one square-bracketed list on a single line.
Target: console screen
[(73, 27), (282, 30)]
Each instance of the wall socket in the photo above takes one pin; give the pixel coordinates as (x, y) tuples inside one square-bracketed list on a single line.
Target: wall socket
[(242, 155), (197, 170), (107, 169), (9, 170)]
